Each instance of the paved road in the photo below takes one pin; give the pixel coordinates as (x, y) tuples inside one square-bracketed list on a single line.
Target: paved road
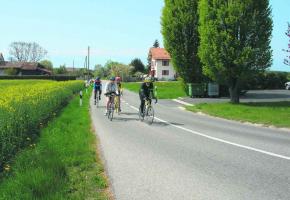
[(189, 156)]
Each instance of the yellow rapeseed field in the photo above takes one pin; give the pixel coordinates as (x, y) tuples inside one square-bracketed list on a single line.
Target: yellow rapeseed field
[(24, 106)]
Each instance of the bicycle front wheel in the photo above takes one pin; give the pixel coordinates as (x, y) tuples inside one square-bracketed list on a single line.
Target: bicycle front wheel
[(141, 115), (97, 99), (150, 115), (111, 112)]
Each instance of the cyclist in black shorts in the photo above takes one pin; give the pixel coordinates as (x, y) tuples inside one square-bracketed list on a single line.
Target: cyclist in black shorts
[(146, 92)]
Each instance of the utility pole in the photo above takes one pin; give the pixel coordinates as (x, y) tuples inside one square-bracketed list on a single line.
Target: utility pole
[(73, 65), (85, 66), (88, 60)]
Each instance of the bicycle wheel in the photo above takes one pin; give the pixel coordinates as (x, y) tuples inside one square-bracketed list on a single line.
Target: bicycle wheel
[(111, 113), (141, 116), (97, 99), (150, 114)]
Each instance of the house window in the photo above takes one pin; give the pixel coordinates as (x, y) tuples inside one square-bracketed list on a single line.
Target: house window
[(165, 72), (165, 62)]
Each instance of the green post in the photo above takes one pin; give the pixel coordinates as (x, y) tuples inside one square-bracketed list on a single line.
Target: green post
[(155, 92)]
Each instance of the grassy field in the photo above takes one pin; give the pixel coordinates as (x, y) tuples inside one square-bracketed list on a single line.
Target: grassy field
[(62, 164), (273, 113), (165, 90)]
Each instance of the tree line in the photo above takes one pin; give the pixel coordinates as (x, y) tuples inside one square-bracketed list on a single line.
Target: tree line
[(226, 41)]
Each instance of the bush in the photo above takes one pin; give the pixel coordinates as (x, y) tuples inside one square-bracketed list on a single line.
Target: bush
[(267, 80)]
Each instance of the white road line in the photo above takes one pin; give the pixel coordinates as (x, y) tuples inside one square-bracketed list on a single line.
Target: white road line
[(134, 108), (221, 140), (182, 102)]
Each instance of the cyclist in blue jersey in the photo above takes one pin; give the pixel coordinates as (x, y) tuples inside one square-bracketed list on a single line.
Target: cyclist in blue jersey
[(97, 88)]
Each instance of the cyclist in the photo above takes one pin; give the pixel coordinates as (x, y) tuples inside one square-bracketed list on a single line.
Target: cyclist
[(111, 88), (146, 92), (97, 88), (120, 90)]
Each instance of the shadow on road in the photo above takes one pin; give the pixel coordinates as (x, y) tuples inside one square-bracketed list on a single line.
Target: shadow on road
[(124, 119), (126, 113), (99, 107), (165, 124)]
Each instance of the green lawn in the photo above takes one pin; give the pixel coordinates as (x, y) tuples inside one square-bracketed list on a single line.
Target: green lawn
[(273, 113), (62, 164), (165, 90)]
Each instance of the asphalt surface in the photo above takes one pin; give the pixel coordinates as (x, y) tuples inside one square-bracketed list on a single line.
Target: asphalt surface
[(183, 155)]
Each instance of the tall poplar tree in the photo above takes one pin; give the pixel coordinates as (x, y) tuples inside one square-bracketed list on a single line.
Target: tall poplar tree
[(180, 33), (287, 59), (235, 40)]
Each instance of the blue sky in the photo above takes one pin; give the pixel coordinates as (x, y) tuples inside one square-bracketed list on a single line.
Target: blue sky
[(114, 29)]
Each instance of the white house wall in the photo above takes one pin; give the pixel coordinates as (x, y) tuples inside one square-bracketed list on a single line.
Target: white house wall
[(158, 70)]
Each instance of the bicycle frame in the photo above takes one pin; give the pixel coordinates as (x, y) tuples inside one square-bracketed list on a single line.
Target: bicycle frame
[(148, 112)]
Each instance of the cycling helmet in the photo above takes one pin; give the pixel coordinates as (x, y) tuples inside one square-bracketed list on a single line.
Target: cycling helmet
[(118, 79), (112, 78), (98, 78)]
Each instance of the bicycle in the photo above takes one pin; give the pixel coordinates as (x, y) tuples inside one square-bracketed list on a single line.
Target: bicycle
[(111, 106), (148, 112)]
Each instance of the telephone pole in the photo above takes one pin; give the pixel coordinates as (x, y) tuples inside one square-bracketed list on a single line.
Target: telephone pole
[(88, 60), (85, 67)]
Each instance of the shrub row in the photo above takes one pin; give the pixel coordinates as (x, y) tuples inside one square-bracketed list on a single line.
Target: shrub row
[(25, 107)]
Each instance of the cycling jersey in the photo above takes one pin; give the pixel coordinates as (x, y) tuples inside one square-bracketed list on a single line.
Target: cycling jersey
[(98, 85), (146, 90), (111, 87)]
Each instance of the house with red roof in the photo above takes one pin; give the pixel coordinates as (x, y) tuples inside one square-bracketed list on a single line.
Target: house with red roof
[(161, 66)]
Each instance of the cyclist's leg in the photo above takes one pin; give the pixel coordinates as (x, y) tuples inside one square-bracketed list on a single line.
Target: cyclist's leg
[(100, 92), (142, 101), (95, 94), (107, 104)]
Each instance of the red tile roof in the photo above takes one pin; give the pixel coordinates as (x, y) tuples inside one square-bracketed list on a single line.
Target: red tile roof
[(159, 54)]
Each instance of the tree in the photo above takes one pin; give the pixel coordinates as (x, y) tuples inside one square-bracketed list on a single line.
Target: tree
[(47, 64), (60, 70), (156, 44), (27, 52), (101, 71), (287, 59), (98, 66), (180, 32), (235, 40), (137, 65), (114, 68)]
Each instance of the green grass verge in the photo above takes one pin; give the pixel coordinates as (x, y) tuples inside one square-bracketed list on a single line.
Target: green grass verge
[(165, 90), (272, 113), (62, 164)]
